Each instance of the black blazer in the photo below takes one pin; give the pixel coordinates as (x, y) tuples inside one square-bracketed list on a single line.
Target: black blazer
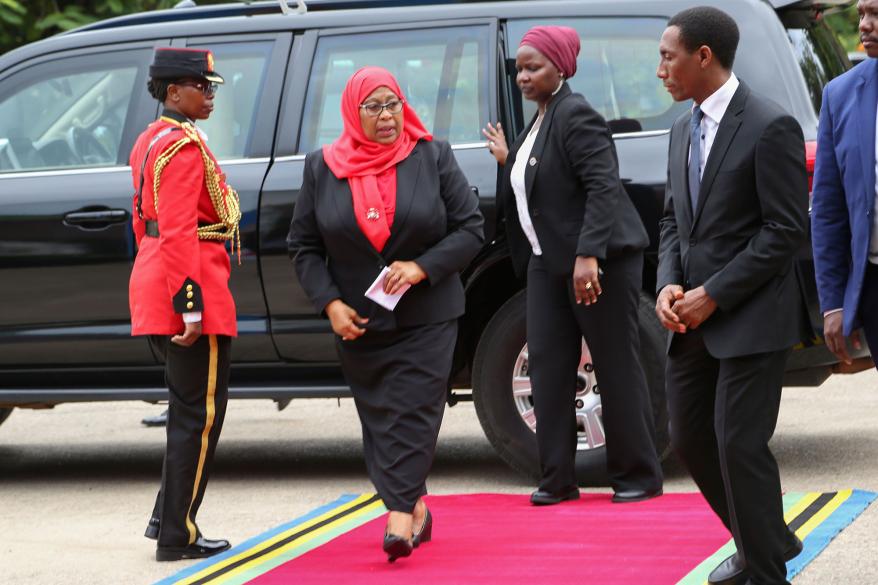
[(751, 219), (437, 224), (577, 203)]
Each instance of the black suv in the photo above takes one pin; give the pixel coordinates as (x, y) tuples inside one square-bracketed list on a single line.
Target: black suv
[(71, 107)]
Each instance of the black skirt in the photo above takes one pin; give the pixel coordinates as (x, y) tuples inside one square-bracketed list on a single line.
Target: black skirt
[(399, 380)]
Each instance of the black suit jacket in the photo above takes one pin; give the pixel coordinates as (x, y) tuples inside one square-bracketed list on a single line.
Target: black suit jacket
[(751, 219), (437, 224), (577, 203)]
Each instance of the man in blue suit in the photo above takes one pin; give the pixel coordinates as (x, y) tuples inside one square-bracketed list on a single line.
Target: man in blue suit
[(845, 200)]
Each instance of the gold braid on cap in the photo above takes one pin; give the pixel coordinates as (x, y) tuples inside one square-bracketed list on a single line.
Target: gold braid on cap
[(226, 203)]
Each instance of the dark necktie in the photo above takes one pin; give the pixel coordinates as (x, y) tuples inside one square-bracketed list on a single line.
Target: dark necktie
[(695, 156)]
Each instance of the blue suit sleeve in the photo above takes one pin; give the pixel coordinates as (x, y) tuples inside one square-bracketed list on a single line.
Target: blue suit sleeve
[(830, 227)]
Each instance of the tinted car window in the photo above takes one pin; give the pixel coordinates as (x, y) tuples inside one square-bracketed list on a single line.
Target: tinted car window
[(819, 55), (230, 126), (66, 114), (615, 69), (441, 72)]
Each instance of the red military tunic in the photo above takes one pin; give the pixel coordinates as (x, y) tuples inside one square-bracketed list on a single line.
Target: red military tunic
[(177, 272)]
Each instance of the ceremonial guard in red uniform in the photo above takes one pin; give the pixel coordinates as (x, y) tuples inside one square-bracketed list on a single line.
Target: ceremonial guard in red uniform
[(179, 294)]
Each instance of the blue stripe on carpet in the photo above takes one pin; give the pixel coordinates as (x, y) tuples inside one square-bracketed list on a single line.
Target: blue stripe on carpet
[(235, 550), (823, 534)]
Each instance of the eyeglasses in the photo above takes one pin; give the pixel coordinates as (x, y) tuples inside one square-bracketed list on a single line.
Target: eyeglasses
[(375, 109), (208, 88)]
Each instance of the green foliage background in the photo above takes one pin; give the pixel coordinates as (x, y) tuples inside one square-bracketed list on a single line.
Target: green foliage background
[(25, 21), (844, 23)]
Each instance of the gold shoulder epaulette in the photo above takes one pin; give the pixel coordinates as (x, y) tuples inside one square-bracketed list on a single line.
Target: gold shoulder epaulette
[(191, 132), (225, 201)]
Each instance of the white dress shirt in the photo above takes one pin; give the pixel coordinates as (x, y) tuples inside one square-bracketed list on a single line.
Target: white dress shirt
[(714, 108), (517, 179)]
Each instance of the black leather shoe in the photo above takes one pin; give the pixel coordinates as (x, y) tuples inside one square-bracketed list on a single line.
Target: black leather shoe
[(732, 571), (628, 496), (159, 420), (199, 549), (546, 498), (396, 547), (152, 529), (425, 534)]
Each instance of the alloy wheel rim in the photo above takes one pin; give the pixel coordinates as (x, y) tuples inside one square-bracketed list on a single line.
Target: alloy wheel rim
[(587, 402)]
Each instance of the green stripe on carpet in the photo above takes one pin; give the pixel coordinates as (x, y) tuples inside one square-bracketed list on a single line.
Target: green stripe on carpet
[(263, 564), (275, 547), (815, 517)]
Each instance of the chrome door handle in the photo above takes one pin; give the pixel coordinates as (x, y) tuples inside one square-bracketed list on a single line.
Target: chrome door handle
[(95, 219)]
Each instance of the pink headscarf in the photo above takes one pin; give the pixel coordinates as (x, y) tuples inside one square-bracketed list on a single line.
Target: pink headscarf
[(560, 45), (370, 167)]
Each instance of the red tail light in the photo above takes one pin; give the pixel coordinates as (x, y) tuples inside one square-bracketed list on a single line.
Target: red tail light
[(810, 157)]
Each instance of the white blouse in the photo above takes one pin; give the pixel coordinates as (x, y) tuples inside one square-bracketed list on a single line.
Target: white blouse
[(517, 179)]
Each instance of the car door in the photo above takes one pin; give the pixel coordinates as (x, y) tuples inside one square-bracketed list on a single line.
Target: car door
[(448, 73), (240, 133), (67, 124)]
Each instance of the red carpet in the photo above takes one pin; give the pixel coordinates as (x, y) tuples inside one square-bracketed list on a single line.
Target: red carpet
[(501, 539)]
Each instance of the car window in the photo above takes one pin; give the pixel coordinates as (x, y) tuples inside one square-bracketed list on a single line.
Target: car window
[(820, 56), (69, 113), (615, 69), (243, 66), (441, 71)]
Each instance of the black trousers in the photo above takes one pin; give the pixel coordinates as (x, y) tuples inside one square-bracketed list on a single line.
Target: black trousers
[(723, 413), (555, 328), (198, 385), (399, 380), (869, 309)]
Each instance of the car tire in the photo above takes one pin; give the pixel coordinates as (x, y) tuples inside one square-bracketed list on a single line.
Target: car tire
[(4, 414), (504, 417)]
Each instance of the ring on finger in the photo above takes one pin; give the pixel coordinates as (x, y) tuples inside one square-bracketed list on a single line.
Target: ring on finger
[(588, 286)]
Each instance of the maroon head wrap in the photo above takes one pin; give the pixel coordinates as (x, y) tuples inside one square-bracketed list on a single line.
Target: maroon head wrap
[(560, 45)]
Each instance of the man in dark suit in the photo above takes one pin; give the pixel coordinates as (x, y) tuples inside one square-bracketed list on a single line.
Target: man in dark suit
[(843, 215), (735, 214)]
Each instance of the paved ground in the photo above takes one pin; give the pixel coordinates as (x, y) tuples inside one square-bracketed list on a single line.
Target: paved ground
[(77, 483)]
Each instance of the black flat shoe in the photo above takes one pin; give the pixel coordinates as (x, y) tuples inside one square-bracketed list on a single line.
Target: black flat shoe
[(152, 529), (199, 549), (733, 572), (396, 547), (425, 534), (546, 498), (628, 496)]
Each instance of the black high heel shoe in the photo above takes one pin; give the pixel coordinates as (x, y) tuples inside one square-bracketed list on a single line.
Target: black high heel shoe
[(425, 534), (396, 547)]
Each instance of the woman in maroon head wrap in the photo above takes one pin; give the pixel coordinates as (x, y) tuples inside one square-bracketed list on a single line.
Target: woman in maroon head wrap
[(575, 234), (385, 211)]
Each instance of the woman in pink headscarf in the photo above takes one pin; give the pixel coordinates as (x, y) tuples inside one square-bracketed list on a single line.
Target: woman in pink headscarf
[(386, 209), (575, 234)]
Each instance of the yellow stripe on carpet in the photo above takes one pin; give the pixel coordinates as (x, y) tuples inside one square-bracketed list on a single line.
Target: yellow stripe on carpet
[(281, 536), (823, 514), (791, 514), (315, 534), (800, 506)]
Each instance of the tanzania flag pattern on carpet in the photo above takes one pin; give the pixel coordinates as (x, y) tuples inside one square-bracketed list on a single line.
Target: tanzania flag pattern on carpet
[(483, 539)]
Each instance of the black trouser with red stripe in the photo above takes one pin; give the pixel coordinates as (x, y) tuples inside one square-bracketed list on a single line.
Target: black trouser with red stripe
[(198, 390)]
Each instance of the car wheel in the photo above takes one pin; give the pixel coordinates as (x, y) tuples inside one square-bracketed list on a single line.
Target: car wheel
[(504, 403), (4, 414)]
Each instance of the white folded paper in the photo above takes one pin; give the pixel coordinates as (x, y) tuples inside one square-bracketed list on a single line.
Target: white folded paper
[(377, 294)]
